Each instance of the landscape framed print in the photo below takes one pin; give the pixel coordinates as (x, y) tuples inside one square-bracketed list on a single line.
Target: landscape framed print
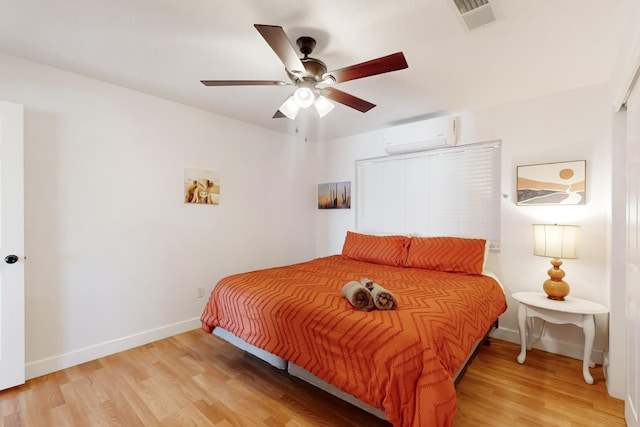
[(561, 183), (334, 195)]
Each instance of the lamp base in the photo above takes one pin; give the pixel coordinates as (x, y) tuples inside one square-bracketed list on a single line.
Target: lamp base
[(555, 287), (556, 290)]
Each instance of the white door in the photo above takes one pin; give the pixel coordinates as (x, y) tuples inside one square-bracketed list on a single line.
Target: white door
[(632, 409), (12, 360)]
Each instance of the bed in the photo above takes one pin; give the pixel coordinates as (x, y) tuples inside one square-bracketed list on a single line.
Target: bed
[(401, 362)]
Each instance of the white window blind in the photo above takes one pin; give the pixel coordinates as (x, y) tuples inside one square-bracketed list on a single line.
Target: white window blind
[(447, 192)]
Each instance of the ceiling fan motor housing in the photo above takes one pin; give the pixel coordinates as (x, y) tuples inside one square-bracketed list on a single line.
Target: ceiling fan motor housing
[(314, 70), (306, 45)]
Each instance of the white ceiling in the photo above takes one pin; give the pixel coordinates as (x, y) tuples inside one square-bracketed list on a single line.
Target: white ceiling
[(165, 47)]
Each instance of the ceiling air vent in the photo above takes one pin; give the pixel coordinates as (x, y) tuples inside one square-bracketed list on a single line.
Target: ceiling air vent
[(475, 13)]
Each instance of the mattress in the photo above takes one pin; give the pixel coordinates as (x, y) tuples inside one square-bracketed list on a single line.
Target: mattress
[(400, 361)]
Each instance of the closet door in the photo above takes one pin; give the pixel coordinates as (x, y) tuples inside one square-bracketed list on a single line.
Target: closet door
[(632, 408)]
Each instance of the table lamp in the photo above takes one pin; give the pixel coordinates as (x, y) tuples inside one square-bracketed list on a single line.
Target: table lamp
[(555, 241)]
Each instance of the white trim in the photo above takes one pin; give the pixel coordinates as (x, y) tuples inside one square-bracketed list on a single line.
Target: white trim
[(629, 65), (623, 96), (87, 354)]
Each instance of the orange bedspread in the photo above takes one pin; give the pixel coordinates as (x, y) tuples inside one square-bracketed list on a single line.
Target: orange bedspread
[(401, 361)]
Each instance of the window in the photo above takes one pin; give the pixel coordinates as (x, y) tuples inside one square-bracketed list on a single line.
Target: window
[(447, 192)]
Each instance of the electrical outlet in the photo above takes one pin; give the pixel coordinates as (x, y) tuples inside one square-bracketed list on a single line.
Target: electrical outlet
[(200, 293)]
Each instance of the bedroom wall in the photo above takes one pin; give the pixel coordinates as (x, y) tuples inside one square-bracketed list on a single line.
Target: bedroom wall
[(566, 126), (114, 256)]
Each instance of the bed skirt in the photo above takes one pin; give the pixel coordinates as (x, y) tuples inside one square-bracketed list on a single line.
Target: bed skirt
[(303, 374)]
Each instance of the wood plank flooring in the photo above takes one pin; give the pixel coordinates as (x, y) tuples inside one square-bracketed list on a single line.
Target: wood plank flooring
[(197, 379)]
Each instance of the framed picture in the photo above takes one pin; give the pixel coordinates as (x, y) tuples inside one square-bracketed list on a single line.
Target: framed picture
[(334, 195), (562, 183), (201, 186)]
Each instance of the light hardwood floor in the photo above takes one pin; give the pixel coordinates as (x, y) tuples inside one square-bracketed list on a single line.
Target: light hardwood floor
[(196, 379)]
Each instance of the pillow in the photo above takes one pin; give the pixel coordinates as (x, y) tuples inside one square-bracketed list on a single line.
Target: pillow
[(387, 250), (451, 254)]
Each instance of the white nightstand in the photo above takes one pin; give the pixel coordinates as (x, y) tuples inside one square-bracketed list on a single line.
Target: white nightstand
[(572, 310)]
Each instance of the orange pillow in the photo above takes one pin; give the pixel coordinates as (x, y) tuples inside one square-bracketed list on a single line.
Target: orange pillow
[(387, 250), (452, 254)]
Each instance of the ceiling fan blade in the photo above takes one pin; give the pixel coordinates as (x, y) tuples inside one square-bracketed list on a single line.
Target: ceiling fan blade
[(347, 99), (279, 42), (385, 64), (278, 115), (243, 83)]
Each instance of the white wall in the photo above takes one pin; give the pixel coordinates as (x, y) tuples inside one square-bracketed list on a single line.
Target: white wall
[(114, 256), (566, 126)]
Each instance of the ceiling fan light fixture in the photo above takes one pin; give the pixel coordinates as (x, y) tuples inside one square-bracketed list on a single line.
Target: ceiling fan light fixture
[(304, 97), (289, 108), (323, 106)]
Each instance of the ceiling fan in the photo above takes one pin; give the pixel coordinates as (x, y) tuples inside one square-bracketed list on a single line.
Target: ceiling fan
[(307, 74)]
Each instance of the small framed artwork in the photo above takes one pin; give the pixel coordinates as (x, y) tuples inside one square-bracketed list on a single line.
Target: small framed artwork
[(334, 195), (201, 186), (562, 183)]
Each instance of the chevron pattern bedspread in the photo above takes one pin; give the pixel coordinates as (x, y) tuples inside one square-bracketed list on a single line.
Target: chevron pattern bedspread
[(401, 361)]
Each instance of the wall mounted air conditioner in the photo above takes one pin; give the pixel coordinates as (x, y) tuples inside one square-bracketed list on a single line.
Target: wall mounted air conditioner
[(477, 13), (420, 136)]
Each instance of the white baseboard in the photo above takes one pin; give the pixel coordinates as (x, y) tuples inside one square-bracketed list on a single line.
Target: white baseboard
[(549, 345), (55, 363)]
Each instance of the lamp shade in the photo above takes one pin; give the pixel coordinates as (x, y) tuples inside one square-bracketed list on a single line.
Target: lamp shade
[(323, 106), (555, 241), (289, 108), (304, 97)]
